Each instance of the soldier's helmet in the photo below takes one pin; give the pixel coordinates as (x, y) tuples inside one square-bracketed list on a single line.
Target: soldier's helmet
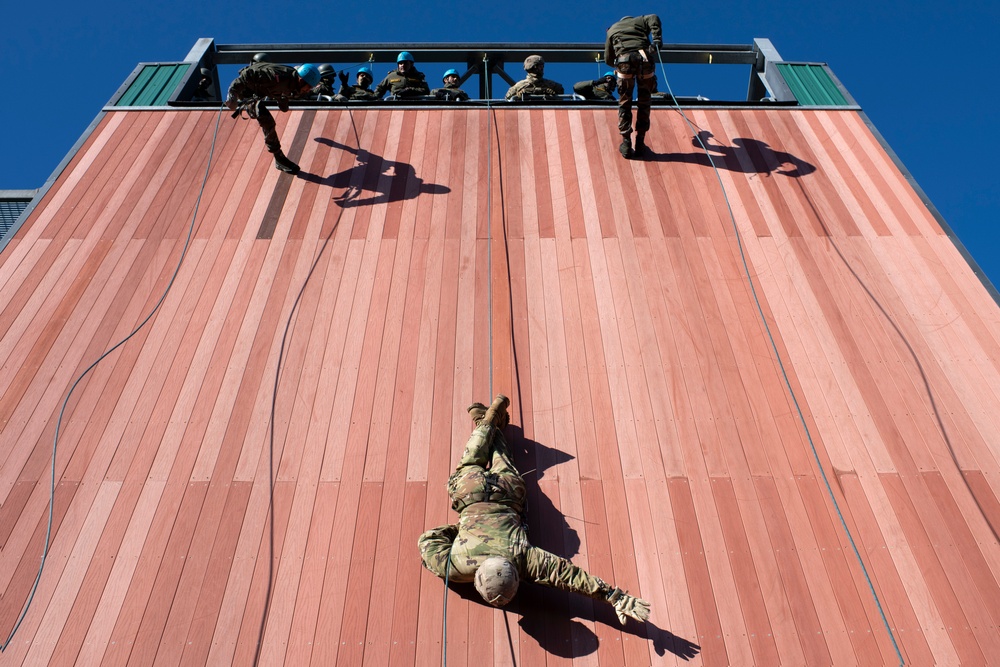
[(326, 71), (496, 581), (261, 57), (535, 64)]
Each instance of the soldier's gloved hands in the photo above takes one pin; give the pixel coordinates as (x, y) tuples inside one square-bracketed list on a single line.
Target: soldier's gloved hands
[(283, 103), (343, 77), (626, 605), (656, 46)]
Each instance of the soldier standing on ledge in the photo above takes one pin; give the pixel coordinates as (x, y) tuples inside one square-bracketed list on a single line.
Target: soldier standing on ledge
[(630, 48), (280, 83), (489, 545)]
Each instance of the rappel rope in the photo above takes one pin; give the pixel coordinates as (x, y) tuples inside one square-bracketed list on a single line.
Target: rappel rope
[(781, 366), (69, 394)]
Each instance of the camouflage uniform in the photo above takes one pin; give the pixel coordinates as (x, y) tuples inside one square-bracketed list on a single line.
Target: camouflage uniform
[(627, 49), (262, 79), (534, 84), (489, 494), (410, 84), (598, 89)]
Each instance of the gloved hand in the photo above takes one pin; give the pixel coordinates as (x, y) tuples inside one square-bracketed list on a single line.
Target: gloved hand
[(657, 45), (625, 605), (283, 103), (343, 77)]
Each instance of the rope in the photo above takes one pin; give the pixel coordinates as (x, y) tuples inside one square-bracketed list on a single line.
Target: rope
[(784, 373), (69, 394)]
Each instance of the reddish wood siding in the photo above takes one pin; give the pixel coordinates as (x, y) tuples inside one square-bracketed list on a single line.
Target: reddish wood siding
[(351, 306)]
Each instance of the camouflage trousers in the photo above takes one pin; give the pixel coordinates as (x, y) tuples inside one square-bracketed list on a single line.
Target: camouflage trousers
[(267, 126), (486, 473), (634, 73)]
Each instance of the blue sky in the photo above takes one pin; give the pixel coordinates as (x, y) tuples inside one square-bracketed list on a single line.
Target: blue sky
[(924, 73)]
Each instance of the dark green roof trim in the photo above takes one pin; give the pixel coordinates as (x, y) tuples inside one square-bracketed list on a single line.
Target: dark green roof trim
[(153, 85), (812, 84)]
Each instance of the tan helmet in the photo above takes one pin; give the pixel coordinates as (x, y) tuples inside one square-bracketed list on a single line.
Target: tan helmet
[(496, 581), (534, 64)]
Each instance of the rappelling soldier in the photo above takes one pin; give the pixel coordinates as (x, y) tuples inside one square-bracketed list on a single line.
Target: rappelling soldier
[(630, 48), (405, 81), (489, 545), (279, 82), (534, 83)]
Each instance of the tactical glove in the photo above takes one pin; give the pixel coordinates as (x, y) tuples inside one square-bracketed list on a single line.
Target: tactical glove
[(343, 77), (283, 103), (625, 605), (657, 45)]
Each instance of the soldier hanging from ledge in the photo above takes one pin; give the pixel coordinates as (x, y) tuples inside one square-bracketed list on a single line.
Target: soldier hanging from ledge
[(630, 48), (279, 82), (489, 545), (534, 83)]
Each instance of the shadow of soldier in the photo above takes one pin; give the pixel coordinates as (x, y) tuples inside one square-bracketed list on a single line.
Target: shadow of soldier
[(547, 526), (558, 621), (373, 179), (749, 156)]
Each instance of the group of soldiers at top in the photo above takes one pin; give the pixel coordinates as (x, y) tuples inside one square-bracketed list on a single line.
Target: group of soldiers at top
[(629, 48)]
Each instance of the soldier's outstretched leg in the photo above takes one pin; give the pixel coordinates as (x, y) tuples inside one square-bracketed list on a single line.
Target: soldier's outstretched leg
[(267, 126)]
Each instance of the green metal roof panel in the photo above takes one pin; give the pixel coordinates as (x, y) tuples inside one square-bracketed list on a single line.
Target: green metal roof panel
[(812, 85), (10, 211), (153, 85)]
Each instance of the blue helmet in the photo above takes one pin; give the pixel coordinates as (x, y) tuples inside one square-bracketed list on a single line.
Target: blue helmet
[(404, 55), (607, 74), (366, 70), (449, 73), (309, 73)]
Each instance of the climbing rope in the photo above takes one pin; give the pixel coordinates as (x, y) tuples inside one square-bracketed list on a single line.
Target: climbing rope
[(69, 394), (781, 366)]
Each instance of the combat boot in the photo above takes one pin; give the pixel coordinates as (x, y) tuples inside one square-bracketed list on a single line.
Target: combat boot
[(640, 144), (282, 163), (477, 411), (626, 147)]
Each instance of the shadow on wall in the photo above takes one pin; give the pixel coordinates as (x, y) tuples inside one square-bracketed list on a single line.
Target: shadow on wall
[(373, 179), (749, 156)]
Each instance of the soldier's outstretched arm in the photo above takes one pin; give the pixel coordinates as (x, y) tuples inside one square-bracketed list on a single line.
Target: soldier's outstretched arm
[(550, 570), (435, 548)]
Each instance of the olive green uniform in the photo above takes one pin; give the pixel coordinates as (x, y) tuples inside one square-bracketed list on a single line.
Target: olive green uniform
[(490, 496), (450, 92), (358, 93), (627, 49), (412, 83), (534, 85), (598, 89)]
